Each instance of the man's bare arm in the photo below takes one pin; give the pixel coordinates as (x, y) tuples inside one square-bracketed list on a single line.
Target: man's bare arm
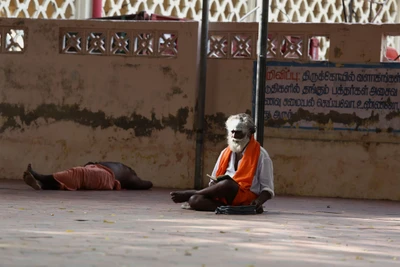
[(261, 199)]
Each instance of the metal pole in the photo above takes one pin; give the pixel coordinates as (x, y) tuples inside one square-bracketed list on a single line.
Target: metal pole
[(201, 98), (261, 71), (351, 11), (344, 11)]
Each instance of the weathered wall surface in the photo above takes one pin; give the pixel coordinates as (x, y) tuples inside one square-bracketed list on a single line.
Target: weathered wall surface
[(336, 168), (60, 110)]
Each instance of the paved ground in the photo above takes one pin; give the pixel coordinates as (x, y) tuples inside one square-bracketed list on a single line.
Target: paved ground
[(144, 228)]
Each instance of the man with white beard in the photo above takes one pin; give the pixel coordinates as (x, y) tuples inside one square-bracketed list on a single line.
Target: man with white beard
[(245, 168)]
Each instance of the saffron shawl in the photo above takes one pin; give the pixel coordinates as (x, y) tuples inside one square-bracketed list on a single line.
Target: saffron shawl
[(247, 166)]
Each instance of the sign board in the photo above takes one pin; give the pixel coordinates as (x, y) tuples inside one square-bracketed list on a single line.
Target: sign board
[(356, 97)]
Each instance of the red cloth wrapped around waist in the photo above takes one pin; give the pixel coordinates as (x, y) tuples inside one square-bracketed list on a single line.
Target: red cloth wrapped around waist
[(90, 177)]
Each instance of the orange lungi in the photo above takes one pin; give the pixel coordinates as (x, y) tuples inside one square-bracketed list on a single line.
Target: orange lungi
[(243, 197), (90, 177)]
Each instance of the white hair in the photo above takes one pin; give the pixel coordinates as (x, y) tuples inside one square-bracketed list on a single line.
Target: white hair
[(241, 122)]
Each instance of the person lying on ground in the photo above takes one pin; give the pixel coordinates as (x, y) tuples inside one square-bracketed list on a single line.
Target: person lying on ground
[(92, 176), (245, 162)]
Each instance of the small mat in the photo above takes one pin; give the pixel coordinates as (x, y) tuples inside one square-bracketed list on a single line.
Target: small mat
[(240, 210)]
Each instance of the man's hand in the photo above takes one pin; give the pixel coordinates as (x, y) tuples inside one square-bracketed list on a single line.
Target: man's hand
[(258, 204), (212, 182), (260, 200)]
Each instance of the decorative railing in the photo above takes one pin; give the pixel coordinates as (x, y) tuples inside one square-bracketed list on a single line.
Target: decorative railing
[(220, 10), (332, 11), (119, 42), (43, 9), (236, 45), (290, 42), (380, 11), (232, 45)]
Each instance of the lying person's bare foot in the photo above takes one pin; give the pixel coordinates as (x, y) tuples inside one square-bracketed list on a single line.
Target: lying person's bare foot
[(31, 181), (32, 172), (29, 168), (181, 196)]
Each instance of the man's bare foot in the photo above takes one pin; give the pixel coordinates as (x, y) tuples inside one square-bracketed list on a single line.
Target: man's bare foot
[(181, 196), (260, 210), (31, 181)]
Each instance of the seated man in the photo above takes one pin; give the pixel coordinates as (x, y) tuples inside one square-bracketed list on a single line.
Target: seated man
[(93, 176), (246, 162)]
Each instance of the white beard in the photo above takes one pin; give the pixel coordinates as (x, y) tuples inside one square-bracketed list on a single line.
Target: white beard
[(238, 145)]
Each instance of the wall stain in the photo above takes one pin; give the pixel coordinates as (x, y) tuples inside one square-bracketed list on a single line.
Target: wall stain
[(321, 118), (136, 66), (12, 77), (10, 123), (178, 122), (175, 90), (215, 127), (142, 126), (338, 52), (179, 157), (15, 117), (392, 115), (45, 80), (366, 145), (169, 72), (71, 83), (19, 23)]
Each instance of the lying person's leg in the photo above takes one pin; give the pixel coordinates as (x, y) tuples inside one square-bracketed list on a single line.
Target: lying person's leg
[(135, 183), (226, 189), (38, 181), (127, 176)]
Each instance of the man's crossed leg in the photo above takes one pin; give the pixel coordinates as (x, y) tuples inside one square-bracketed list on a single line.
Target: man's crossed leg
[(207, 199)]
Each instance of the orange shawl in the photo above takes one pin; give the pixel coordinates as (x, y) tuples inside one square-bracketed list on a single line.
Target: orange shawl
[(247, 167)]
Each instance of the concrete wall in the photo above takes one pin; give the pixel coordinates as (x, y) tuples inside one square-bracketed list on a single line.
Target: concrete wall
[(59, 109)]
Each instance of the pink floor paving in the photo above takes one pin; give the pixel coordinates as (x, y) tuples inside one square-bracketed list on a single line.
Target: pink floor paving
[(144, 228)]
